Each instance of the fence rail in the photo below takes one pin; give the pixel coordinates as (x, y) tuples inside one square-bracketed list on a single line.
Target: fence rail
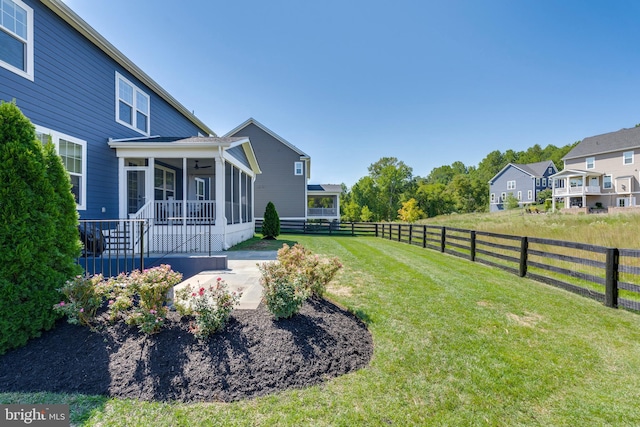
[(608, 275)]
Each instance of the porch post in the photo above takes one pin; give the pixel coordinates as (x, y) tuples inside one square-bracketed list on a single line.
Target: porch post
[(184, 199), (553, 195), (220, 193)]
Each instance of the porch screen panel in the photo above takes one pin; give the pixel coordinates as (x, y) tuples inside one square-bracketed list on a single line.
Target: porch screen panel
[(245, 216), (228, 192), (236, 195), (249, 198)]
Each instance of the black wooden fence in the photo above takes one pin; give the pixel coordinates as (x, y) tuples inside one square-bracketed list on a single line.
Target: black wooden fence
[(608, 275)]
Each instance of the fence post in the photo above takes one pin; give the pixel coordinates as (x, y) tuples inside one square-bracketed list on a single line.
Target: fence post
[(399, 232), (390, 232), (410, 233), (424, 236), (443, 239), (141, 245), (377, 234), (353, 232), (524, 246), (611, 278), (473, 245)]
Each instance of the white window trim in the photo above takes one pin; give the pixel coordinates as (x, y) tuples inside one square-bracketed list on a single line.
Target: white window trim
[(624, 157), (503, 196), (298, 168), (519, 195), (493, 197), (590, 160), (529, 194), (604, 187), (55, 139), (134, 106), (511, 185), (28, 74)]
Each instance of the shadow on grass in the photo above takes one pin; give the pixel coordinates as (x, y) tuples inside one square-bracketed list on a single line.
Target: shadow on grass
[(257, 243)]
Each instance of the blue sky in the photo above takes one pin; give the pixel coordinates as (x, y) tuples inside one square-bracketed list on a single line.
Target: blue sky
[(428, 82)]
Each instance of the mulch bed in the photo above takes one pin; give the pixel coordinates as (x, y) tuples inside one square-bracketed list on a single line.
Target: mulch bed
[(253, 356)]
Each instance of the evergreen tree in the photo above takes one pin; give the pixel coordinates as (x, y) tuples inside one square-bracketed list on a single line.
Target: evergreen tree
[(31, 268), (271, 223)]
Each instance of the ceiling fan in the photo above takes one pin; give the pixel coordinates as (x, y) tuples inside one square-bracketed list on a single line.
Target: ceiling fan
[(201, 167)]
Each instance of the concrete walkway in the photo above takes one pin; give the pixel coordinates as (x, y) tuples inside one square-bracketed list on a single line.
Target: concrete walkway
[(241, 275)]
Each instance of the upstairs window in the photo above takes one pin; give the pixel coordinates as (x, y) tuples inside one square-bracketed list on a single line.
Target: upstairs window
[(493, 197), (544, 182), (132, 105), (627, 158), (298, 168), (511, 185), (606, 182), (16, 37), (591, 162)]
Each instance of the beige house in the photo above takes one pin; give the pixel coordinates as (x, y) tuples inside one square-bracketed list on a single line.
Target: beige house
[(601, 172)]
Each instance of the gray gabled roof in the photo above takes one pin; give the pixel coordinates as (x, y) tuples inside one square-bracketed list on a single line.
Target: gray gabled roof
[(328, 188), (536, 170), (623, 139)]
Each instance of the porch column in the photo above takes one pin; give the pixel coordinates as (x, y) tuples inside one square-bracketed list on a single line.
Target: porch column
[(220, 193), (184, 199), (553, 195)]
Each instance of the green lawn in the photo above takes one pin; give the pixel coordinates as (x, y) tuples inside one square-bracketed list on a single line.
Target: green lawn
[(456, 344)]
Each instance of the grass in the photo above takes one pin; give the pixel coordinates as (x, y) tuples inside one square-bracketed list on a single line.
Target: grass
[(612, 230), (456, 344)]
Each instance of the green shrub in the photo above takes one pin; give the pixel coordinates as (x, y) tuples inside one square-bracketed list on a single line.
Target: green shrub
[(83, 296), (271, 222), (141, 297), (210, 305), (34, 260), (282, 293), (295, 276)]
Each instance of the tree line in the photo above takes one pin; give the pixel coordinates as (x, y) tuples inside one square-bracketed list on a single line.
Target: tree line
[(390, 191)]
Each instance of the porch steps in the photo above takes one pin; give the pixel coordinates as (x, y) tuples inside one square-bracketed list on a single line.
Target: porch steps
[(117, 240)]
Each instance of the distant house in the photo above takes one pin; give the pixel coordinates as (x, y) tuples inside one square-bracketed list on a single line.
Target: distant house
[(523, 181), (131, 149), (601, 171), (285, 172)]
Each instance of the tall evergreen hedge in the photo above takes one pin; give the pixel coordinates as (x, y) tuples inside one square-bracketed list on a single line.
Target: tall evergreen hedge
[(38, 230), (271, 222)]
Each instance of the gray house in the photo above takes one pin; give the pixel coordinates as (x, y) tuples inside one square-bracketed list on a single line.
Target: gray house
[(523, 181), (284, 179), (601, 171)]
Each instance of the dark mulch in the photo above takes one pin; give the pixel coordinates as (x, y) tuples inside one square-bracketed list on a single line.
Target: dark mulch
[(253, 356)]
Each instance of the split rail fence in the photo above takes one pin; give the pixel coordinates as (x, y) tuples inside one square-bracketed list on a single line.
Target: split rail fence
[(608, 275)]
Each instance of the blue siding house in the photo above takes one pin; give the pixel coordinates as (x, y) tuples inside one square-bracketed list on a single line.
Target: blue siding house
[(522, 181), (131, 149)]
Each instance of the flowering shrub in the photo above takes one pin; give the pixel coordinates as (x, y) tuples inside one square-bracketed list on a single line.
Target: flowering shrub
[(314, 271), (211, 306), (282, 292), (83, 298)]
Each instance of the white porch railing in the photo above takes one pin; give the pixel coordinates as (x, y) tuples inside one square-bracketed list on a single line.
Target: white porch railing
[(577, 191), (174, 211), (321, 211)]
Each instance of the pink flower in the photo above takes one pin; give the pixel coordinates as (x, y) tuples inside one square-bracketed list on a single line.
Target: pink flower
[(61, 303), (219, 279), (111, 301), (193, 294), (82, 310), (152, 311), (201, 291)]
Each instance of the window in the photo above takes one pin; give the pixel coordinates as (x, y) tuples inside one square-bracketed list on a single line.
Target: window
[(132, 106), (590, 162), (627, 158), (606, 182), (537, 182), (16, 37), (200, 188), (519, 195), (493, 197), (544, 182), (503, 196), (550, 170), (529, 194), (164, 183), (298, 168), (575, 182), (511, 185), (73, 152)]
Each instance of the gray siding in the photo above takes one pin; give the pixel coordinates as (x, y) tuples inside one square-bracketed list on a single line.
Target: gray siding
[(277, 182)]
